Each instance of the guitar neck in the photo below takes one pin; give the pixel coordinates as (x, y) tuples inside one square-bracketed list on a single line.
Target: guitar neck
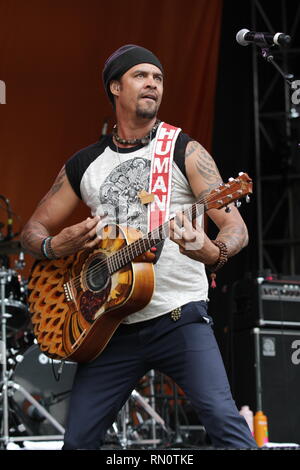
[(127, 254), (222, 196)]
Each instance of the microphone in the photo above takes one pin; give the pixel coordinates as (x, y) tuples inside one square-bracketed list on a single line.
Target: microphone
[(10, 221), (245, 37)]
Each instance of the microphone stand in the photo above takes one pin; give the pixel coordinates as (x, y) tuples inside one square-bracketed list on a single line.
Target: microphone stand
[(267, 55), (290, 112)]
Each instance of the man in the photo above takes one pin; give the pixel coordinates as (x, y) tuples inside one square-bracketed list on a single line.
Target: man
[(173, 332)]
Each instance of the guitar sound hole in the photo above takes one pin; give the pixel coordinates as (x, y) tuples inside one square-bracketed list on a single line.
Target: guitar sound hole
[(97, 275)]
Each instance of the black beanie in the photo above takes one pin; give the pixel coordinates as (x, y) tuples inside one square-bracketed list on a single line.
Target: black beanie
[(122, 60)]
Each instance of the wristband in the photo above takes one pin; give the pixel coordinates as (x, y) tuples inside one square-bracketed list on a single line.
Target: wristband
[(47, 249), (44, 248)]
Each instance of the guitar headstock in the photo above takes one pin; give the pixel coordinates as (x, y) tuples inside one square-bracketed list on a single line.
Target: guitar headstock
[(226, 193)]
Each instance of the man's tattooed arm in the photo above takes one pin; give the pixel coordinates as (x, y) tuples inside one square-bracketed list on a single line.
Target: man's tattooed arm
[(207, 168), (34, 231), (233, 230), (56, 185), (203, 168), (235, 237), (49, 218), (31, 238)]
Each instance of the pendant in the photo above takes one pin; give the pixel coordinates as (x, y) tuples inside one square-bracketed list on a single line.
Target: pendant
[(145, 197)]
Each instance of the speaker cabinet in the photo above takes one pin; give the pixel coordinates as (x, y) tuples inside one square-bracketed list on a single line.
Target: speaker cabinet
[(265, 374), (261, 303)]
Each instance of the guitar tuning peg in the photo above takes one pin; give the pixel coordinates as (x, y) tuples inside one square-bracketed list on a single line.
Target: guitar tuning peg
[(237, 204), (247, 198), (241, 173), (228, 209), (231, 179)]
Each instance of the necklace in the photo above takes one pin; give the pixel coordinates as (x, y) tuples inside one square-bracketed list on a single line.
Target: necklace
[(144, 140)]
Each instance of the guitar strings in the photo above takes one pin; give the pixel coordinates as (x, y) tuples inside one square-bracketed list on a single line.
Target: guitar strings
[(104, 264)]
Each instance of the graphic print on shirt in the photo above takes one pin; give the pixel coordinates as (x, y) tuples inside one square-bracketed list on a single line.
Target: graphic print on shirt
[(119, 193)]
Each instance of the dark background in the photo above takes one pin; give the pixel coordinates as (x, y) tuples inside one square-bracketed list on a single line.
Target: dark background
[(234, 144)]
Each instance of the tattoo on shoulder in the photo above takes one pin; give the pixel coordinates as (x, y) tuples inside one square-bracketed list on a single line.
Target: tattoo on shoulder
[(56, 185), (206, 167), (191, 147)]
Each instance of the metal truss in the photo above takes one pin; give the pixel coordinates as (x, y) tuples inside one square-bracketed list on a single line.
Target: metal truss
[(277, 137)]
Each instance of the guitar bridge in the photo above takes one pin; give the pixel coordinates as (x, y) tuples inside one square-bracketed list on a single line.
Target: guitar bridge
[(68, 292)]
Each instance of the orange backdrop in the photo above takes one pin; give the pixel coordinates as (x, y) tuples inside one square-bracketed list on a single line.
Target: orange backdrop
[(51, 58)]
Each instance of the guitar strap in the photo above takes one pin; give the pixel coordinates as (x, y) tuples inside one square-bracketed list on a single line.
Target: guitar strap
[(161, 178)]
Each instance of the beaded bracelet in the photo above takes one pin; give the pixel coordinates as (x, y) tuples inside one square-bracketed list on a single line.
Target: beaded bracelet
[(223, 258), (47, 249)]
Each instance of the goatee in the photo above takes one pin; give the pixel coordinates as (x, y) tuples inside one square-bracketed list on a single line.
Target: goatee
[(146, 113)]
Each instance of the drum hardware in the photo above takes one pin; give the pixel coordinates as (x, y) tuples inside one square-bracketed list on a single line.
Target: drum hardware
[(10, 387), (143, 432), (177, 438), (20, 262), (129, 434), (10, 247), (151, 375), (171, 417), (15, 302)]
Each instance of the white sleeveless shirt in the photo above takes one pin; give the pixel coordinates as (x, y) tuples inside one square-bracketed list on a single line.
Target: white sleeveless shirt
[(108, 180)]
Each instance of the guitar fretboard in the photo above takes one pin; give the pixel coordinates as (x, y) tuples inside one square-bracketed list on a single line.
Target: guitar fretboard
[(129, 252)]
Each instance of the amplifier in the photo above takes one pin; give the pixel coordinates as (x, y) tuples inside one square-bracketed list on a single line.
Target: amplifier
[(265, 375), (259, 302)]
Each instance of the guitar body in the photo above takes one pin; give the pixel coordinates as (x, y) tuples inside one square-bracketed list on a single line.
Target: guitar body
[(76, 305)]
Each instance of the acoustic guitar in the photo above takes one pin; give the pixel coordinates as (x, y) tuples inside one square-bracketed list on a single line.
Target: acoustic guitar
[(77, 302)]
